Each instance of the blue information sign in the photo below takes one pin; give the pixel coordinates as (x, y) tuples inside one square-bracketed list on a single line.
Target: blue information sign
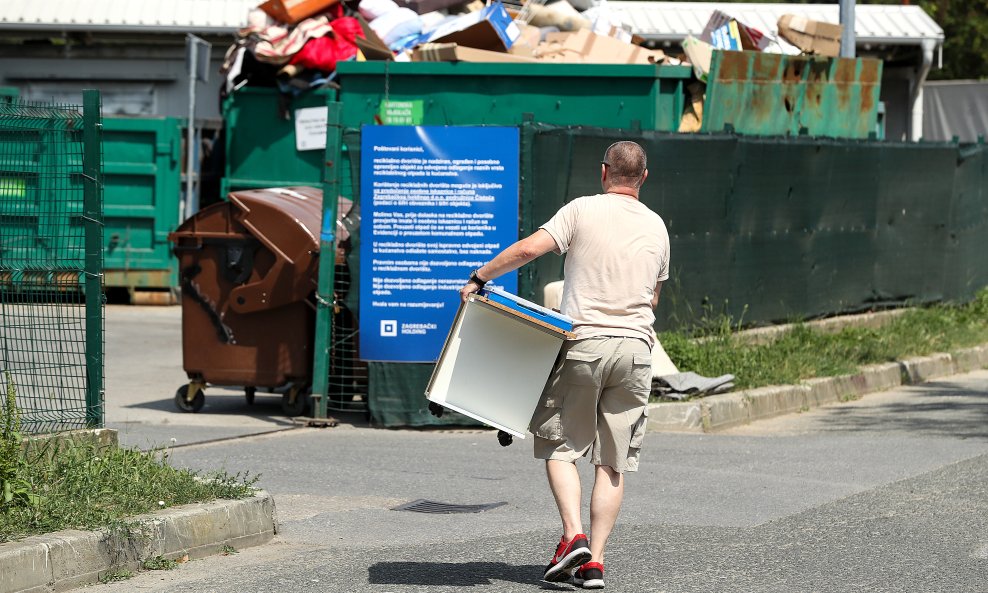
[(436, 203)]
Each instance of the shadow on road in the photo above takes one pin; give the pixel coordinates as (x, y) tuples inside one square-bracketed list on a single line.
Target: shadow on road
[(935, 409), (459, 574), (266, 407)]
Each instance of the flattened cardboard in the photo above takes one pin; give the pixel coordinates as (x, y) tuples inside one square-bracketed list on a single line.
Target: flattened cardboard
[(370, 45), (450, 52), (527, 42), (813, 37), (699, 53), (601, 49)]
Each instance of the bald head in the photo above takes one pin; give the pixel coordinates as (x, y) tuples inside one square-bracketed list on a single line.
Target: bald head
[(626, 164)]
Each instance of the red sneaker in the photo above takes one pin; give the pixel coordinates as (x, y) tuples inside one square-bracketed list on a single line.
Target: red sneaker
[(590, 576), (568, 556)]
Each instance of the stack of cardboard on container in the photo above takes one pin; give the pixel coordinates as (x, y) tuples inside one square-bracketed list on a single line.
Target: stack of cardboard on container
[(725, 33), (813, 37), (555, 32)]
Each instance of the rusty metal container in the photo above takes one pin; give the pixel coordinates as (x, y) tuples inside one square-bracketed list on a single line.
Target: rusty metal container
[(755, 93), (248, 270)]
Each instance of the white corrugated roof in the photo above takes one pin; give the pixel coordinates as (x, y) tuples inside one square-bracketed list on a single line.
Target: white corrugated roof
[(194, 16), (665, 21), (874, 23)]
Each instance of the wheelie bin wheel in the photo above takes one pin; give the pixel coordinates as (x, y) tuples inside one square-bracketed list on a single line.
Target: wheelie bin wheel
[(249, 394), (182, 402), (296, 401)]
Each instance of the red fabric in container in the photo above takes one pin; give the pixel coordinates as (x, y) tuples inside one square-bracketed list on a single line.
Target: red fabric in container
[(324, 52)]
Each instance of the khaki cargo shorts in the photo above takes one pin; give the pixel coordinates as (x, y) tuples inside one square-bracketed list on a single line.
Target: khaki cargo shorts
[(596, 396)]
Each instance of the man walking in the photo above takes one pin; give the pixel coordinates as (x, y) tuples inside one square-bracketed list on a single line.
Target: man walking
[(596, 400)]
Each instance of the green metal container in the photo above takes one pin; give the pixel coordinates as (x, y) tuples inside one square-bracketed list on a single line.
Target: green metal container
[(764, 94), (42, 234), (463, 93), (260, 140), (142, 179)]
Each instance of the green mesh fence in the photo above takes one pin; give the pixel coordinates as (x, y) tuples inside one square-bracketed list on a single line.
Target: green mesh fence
[(348, 376), (763, 229), (51, 304)]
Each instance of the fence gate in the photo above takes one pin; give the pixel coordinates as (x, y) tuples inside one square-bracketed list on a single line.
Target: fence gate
[(51, 261)]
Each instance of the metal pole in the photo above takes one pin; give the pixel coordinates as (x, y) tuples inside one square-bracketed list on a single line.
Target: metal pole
[(92, 206), (325, 296), (190, 136), (847, 40)]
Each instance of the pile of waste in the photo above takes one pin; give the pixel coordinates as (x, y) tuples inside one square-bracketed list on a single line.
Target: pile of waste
[(295, 45)]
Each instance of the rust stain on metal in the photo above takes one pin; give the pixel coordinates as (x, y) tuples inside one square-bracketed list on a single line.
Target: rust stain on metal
[(794, 71), (845, 79), (733, 66), (846, 71)]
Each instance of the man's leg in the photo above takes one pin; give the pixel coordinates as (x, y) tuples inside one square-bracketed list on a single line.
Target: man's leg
[(605, 503), (564, 481)]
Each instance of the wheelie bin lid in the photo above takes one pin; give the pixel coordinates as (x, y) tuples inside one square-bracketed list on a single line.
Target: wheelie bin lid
[(285, 220)]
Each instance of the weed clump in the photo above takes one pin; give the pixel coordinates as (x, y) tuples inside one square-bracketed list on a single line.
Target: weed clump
[(67, 485), (802, 352)]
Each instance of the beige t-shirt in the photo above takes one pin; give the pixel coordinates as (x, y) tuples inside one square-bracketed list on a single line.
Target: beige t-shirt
[(617, 251)]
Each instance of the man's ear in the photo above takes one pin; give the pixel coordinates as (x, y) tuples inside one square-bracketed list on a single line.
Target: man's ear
[(644, 177)]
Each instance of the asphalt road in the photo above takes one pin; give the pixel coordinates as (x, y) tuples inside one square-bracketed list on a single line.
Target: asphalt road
[(889, 493)]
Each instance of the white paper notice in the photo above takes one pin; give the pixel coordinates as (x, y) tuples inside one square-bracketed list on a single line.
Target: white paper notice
[(310, 128)]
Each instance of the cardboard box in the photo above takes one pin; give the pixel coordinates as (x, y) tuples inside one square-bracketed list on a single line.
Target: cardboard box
[(295, 11), (601, 49), (699, 54), (527, 42), (491, 29), (727, 36), (813, 37), (692, 119), (725, 32), (370, 45), (450, 52)]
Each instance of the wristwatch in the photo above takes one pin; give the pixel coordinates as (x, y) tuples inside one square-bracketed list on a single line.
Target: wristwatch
[(476, 279)]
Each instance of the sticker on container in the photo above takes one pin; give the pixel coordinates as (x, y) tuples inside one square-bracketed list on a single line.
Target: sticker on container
[(310, 128), (401, 113)]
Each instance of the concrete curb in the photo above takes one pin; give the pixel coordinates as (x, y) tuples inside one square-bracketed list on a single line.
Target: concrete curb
[(68, 559), (718, 412)]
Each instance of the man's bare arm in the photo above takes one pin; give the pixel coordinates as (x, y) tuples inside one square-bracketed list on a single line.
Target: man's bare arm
[(655, 294), (513, 257)]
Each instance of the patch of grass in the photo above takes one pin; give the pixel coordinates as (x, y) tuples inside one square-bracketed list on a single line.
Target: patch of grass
[(802, 352), (74, 486), (159, 563), (229, 550), (120, 574)]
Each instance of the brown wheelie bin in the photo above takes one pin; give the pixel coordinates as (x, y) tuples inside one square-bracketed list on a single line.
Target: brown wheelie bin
[(248, 269)]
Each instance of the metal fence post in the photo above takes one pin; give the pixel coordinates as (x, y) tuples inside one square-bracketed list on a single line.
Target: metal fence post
[(92, 168), (848, 41), (325, 297), (526, 224)]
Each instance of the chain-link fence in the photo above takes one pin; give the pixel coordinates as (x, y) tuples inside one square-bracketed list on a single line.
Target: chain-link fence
[(51, 303)]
